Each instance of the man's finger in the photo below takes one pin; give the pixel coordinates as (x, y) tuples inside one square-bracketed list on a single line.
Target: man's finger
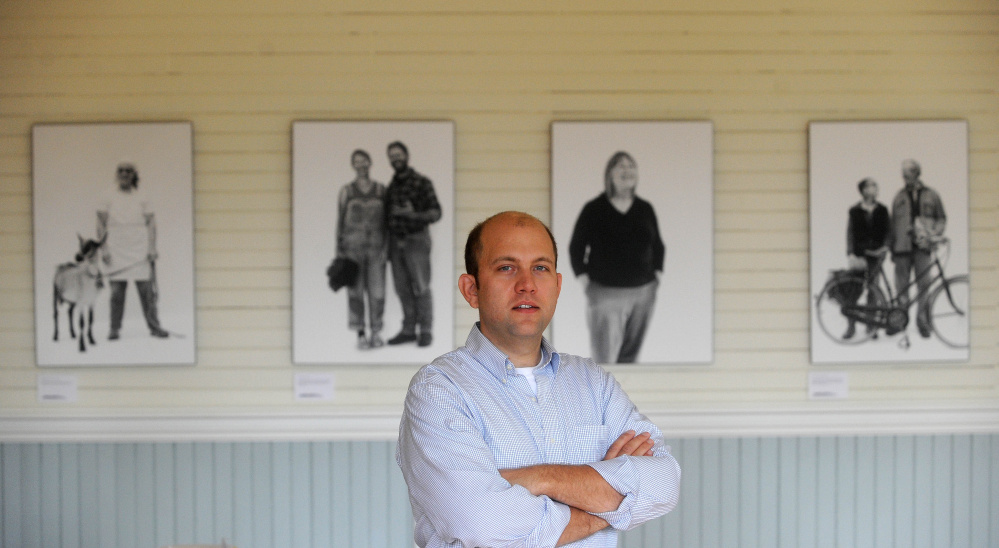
[(614, 450), (637, 445)]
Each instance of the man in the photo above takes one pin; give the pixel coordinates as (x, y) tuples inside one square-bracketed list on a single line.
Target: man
[(506, 442), (412, 207), (130, 253), (917, 221), (360, 236), (867, 229)]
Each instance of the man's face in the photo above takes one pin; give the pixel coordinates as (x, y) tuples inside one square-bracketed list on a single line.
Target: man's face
[(517, 285), (124, 175), (398, 158), (910, 172)]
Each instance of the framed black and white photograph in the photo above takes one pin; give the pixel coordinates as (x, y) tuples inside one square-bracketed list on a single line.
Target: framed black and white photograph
[(888, 213), (113, 223), (632, 212), (373, 241)]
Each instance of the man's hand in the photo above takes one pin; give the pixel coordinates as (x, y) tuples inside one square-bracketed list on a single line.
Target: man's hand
[(632, 445), (404, 209)]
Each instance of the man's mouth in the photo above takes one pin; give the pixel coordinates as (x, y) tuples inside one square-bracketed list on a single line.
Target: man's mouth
[(524, 306)]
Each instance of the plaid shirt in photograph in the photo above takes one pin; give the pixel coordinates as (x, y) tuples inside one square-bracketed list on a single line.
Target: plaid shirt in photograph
[(409, 186)]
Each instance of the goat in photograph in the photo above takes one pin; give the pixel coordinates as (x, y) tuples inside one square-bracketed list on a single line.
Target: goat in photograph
[(78, 283)]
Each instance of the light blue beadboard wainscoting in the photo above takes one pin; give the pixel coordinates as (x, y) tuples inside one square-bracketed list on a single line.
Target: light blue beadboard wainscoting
[(794, 491)]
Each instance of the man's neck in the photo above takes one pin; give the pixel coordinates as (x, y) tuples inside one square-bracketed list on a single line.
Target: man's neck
[(520, 354)]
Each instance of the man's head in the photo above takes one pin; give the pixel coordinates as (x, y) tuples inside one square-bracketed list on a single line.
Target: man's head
[(910, 172), (512, 280), (127, 176), (398, 156), (868, 188), (473, 245)]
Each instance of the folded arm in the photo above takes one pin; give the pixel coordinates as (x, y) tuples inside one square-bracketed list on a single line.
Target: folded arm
[(580, 486), (456, 488)]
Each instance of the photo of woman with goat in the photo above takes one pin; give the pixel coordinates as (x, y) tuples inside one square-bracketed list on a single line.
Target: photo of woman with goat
[(113, 207)]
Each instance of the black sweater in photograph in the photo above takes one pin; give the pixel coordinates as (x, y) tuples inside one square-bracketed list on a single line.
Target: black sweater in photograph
[(617, 249)]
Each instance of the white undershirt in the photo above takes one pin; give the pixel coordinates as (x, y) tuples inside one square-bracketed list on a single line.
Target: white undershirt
[(528, 373)]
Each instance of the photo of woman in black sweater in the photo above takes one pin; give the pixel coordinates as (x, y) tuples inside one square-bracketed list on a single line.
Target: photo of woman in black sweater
[(617, 255)]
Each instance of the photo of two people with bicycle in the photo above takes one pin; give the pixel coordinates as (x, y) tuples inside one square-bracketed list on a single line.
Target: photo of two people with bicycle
[(898, 290)]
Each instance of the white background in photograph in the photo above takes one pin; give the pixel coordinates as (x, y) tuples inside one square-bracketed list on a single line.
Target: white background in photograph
[(675, 175), (320, 168), (843, 153), (73, 172)]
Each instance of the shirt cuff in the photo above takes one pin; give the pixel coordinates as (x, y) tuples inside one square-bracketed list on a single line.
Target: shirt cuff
[(620, 474)]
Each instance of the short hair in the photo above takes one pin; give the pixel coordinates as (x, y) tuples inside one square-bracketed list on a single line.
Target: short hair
[(360, 152), (130, 167), (473, 245), (864, 182), (611, 164), (397, 144)]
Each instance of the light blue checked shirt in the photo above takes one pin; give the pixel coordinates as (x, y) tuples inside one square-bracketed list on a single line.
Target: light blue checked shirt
[(469, 414)]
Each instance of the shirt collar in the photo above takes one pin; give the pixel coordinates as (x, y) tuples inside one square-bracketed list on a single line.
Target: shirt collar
[(495, 361), (404, 174)]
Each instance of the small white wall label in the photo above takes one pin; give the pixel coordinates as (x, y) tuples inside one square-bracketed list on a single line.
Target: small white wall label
[(314, 386), (57, 388), (828, 385)]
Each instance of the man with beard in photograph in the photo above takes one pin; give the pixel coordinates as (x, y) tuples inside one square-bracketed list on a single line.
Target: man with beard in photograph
[(867, 230), (130, 252), (917, 220), (412, 206)]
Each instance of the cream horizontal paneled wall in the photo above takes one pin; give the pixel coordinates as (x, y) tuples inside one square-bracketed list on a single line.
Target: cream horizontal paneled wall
[(242, 71)]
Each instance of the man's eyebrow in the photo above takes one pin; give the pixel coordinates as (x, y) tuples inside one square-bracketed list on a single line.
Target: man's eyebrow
[(509, 259)]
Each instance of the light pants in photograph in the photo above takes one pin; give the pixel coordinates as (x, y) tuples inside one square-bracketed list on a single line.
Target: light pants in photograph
[(410, 257), (618, 318)]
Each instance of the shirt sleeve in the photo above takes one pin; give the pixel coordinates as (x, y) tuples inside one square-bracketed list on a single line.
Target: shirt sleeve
[(940, 216), (850, 229), (650, 485), (658, 247), (428, 197), (454, 483), (580, 241)]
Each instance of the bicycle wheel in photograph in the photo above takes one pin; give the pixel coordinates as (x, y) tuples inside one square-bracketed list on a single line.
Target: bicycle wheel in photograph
[(949, 307), (848, 291)]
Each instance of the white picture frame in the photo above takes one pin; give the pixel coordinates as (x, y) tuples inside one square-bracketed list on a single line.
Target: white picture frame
[(841, 154), (321, 166), (73, 176), (675, 175)]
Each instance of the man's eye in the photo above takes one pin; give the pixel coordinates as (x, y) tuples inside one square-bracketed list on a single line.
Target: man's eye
[(504, 268), (542, 268)]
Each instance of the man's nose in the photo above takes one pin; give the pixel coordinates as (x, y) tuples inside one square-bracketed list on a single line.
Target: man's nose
[(525, 282)]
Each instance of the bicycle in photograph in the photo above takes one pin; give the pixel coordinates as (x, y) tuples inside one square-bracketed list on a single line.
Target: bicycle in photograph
[(852, 307)]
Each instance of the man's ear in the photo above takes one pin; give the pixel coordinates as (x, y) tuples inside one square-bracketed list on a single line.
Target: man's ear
[(469, 289)]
